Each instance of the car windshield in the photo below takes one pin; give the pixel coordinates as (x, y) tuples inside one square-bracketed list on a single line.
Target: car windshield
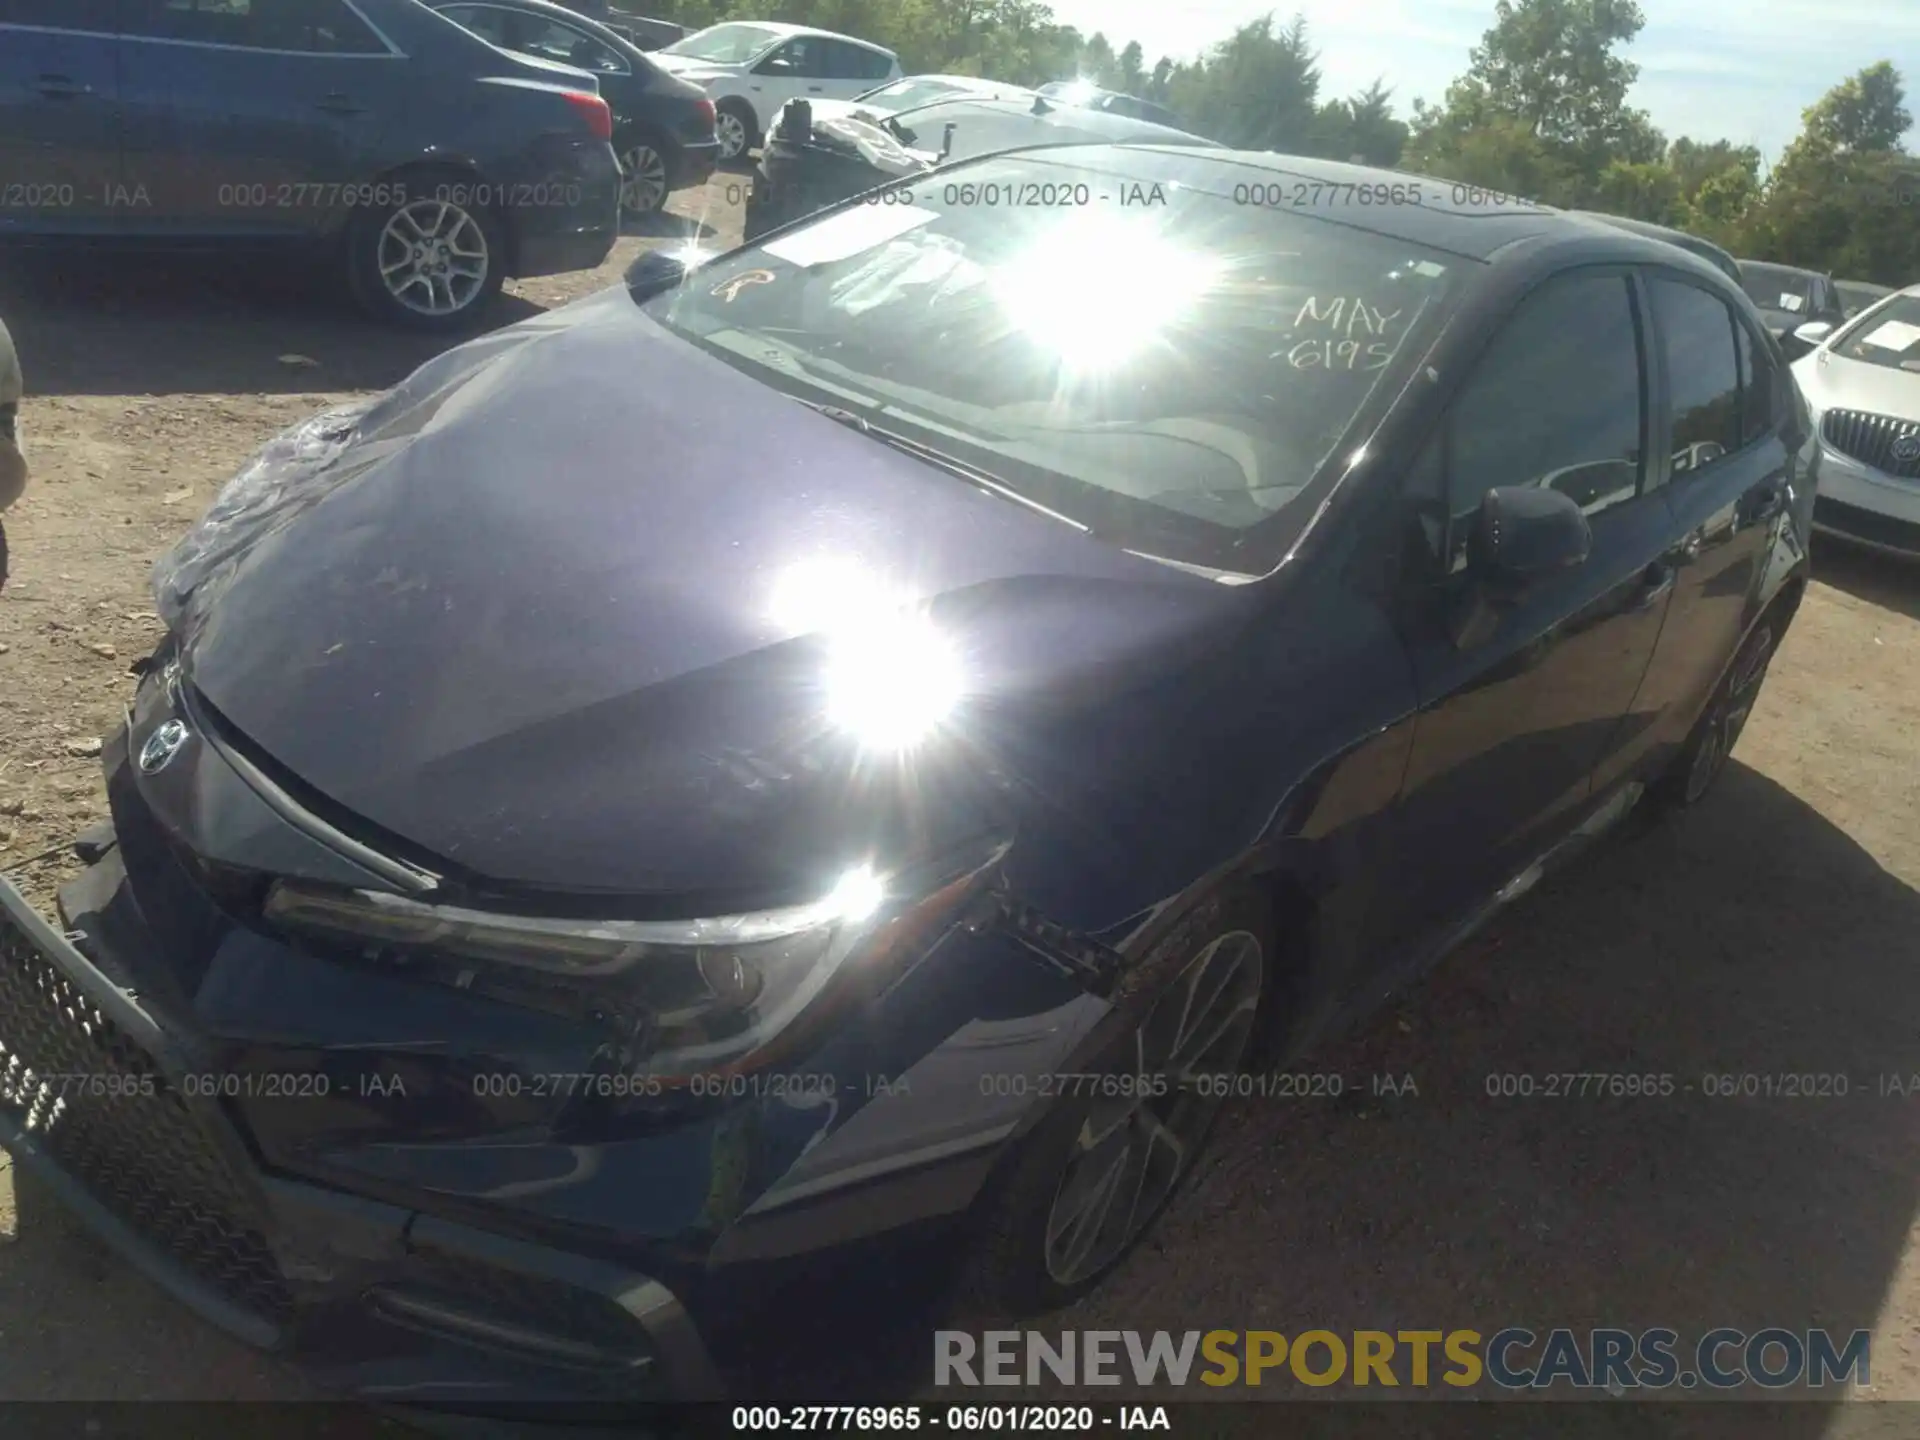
[(1137, 354), (1776, 287), (1856, 295), (1889, 337), (725, 44)]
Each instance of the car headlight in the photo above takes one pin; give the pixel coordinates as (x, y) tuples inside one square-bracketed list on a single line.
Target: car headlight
[(254, 502), (689, 997)]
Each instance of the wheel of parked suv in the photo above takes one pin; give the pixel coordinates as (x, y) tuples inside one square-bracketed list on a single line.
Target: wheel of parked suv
[(1092, 1177), (1705, 754), (431, 259), (643, 177), (733, 124)]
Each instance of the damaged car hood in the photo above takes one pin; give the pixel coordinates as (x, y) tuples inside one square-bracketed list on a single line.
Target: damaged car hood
[(524, 615)]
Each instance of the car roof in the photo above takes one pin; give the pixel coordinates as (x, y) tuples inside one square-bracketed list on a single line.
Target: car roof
[(788, 28), (1788, 269)]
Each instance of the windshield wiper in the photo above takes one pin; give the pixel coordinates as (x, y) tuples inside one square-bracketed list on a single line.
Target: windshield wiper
[(952, 465)]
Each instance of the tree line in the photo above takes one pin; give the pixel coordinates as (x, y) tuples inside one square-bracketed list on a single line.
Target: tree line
[(1541, 112)]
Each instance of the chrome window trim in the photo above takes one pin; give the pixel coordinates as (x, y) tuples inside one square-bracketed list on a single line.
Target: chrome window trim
[(394, 52)]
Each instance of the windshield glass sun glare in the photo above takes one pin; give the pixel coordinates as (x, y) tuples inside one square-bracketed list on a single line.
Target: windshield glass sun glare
[(1153, 361)]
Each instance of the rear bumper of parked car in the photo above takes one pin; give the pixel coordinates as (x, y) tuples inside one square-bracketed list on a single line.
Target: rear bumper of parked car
[(449, 1245), (1866, 506), (695, 164), (564, 210)]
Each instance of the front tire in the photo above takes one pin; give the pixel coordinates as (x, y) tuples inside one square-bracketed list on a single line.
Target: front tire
[(430, 261), (1090, 1180)]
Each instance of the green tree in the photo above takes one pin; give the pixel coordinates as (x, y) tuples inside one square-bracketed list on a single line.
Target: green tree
[(1865, 114), (1255, 90), (1363, 128)]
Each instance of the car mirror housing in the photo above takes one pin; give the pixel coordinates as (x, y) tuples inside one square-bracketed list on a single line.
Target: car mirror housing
[(1813, 333), (1525, 532), (655, 271)]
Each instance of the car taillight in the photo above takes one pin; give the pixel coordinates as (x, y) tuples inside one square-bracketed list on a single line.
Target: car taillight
[(703, 110), (594, 111)]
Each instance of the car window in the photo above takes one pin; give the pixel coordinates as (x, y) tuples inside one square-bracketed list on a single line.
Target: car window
[(1888, 337), (729, 44), (323, 27), (550, 40), (489, 22), (94, 16), (1555, 401), (1703, 372), (873, 65), (1759, 386), (803, 58), (1778, 287), (1174, 374)]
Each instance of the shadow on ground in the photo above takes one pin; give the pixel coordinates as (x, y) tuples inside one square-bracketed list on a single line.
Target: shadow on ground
[(1885, 580), (1749, 938)]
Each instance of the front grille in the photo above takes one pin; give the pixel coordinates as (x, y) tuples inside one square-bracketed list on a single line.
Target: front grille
[(97, 1105), (1871, 439)]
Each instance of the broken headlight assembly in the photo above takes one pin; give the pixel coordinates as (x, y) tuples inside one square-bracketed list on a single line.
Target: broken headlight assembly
[(686, 998)]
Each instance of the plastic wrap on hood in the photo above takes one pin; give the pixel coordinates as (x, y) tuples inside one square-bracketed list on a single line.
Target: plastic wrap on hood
[(300, 467), (876, 144)]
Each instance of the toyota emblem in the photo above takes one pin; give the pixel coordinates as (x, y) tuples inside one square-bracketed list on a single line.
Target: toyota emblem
[(162, 745), (1907, 449)]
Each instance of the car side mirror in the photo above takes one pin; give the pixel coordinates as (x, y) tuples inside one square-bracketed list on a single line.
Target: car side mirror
[(1523, 533), (774, 65), (1813, 333), (655, 271)]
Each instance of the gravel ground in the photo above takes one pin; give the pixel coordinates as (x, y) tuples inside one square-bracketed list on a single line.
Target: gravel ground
[(1776, 930)]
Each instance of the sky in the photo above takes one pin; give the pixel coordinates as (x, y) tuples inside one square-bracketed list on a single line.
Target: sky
[(1739, 70)]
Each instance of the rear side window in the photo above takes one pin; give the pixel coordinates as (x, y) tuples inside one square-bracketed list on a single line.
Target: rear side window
[(1555, 401), (1703, 372), (94, 16), (550, 40), (319, 27), (491, 24)]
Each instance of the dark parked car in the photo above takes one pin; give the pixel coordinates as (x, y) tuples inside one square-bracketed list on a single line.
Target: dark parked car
[(1789, 298), (811, 161), (373, 135), (1692, 244), (1857, 295), (662, 127), (552, 933)]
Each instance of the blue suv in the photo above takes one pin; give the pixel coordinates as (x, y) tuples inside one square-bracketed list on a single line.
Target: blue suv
[(374, 135)]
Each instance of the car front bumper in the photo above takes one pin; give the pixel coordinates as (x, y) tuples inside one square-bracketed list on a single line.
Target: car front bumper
[(197, 1092), (1866, 506)]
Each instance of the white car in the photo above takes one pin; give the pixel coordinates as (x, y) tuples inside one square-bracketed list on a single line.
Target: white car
[(752, 68), (1862, 384), (906, 94)]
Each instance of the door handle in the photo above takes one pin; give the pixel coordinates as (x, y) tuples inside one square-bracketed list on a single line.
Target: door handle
[(814, 89), (62, 87), (340, 103), (1655, 586)]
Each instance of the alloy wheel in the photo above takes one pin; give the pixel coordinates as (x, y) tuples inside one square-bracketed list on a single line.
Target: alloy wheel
[(1730, 713), (731, 131), (1133, 1149), (643, 180), (433, 257)]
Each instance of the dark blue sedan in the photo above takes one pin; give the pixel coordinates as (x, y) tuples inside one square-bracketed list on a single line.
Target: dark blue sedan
[(371, 136), (855, 748)]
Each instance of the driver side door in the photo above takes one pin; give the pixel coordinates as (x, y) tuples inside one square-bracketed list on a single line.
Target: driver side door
[(1519, 710)]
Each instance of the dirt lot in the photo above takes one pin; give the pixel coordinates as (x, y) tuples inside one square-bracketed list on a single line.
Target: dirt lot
[(1777, 930)]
